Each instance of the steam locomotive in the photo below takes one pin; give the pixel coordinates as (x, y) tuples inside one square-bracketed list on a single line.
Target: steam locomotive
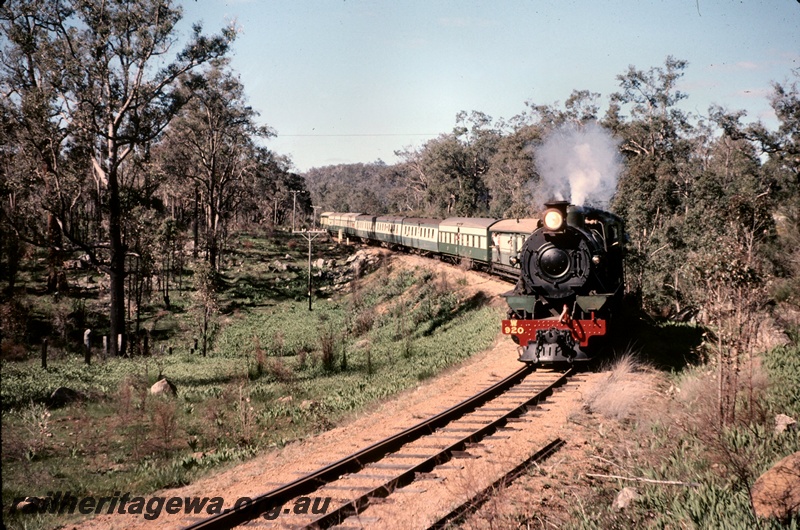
[(570, 285), (567, 266)]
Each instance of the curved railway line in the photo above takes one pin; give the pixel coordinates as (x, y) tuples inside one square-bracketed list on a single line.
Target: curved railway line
[(369, 476)]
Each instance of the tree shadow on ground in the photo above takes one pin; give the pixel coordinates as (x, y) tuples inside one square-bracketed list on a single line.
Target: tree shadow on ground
[(249, 291), (666, 345), (476, 301)]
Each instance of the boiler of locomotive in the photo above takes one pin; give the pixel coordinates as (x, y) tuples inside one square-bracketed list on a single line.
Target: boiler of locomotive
[(556, 260)]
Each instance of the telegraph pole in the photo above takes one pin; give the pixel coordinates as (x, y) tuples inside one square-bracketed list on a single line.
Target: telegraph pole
[(294, 205), (310, 235), (315, 215)]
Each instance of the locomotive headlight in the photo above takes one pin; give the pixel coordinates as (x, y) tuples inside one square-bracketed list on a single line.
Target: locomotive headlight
[(553, 220)]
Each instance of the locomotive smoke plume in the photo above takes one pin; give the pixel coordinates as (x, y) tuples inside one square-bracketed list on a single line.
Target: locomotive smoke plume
[(579, 164)]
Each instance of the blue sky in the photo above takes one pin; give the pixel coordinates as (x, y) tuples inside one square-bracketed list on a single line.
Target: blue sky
[(345, 81)]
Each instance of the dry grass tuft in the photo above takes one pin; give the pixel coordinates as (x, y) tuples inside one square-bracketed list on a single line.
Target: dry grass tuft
[(280, 370), (697, 394), (624, 392)]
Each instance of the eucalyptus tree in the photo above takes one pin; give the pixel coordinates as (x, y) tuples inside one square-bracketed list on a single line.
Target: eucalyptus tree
[(267, 197), (657, 146), (512, 176), (90, 83), (356, 187), (778, 181), (416, 181), (780, 147), (478, 138), (450, 169), (212, 144)]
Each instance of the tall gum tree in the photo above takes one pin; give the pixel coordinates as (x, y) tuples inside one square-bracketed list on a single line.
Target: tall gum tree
[(657, 151), (212, 143), (100, 74), (512, 178)]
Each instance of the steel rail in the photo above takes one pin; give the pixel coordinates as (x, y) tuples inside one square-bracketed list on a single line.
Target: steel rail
[(353, 463), (356, 506), (472, 505)]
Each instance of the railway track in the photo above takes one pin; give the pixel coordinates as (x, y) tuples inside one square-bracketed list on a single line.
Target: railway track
[(369, 476)]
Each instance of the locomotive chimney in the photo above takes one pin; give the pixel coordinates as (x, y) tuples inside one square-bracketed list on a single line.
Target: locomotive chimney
[(558, 205)]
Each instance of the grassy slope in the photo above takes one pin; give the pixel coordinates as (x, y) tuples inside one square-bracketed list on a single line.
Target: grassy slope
[(276, 373)]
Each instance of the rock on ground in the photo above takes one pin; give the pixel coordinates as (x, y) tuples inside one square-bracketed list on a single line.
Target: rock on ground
[(625, 497), (62, 396), (784, 423), (776, 493), (164, 386), (29, 505)]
